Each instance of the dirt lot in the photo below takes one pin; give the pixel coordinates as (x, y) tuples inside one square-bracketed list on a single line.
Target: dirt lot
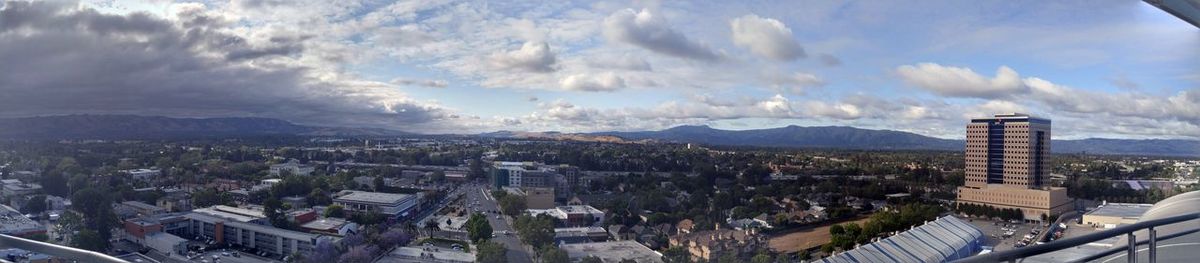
[(805, 239)]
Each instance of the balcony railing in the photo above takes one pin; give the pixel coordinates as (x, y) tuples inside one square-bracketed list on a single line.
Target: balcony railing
[(1017, 255), (58, 251)]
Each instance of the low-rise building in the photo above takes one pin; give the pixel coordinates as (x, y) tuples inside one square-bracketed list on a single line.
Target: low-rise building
[(426, 255), (15, 188), (1111, 215), (139, 209), (143, 174), (236, 214), (612, 252), (13, 223), (573, 215), (331, 226), (392, 205), (273, 241), (571, 235), (293, 167), (706, 245)]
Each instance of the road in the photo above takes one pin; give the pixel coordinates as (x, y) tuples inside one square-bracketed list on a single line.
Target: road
[(477, 194)]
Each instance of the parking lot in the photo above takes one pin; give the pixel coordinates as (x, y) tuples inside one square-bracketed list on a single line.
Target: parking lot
[(994, 232), (229, 257)]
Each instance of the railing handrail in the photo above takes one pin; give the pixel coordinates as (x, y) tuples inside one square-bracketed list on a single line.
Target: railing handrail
[(57, 250), (1060, 244)]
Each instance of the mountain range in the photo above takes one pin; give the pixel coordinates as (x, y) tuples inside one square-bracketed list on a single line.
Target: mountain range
[(842, 137), (115, 127)]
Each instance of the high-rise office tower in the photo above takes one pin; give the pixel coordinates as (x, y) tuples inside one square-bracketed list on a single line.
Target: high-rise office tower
[(1007, 166)]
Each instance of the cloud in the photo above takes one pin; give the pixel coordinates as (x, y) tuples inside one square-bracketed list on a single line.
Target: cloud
[(829, 60), (962, 82), (766, 37), (601, 82), (797, 83), (645, 29), (531, 98), (532, 56), (429, 83), (624, 62), (140, 64)]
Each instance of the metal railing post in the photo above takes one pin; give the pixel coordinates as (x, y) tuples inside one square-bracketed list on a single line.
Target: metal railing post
[(1153, 246), (1132, 248)]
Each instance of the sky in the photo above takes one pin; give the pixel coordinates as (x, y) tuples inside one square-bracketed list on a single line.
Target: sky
[(1114, 69)]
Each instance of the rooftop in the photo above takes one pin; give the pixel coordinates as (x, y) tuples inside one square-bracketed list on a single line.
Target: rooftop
[(254, 227), (612, 251), (325, 224), (418, 254), (13, 222), (945, 239), (373, 197), (1120, 210), (232, 213)]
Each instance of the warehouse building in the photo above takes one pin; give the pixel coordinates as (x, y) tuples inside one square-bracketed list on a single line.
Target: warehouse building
[(943, 240), (1111, 215)]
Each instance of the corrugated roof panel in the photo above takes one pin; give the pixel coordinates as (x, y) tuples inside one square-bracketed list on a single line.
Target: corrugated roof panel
[(936, 241)]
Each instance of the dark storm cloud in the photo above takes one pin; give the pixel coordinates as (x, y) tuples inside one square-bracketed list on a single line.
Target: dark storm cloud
[(57, 59)]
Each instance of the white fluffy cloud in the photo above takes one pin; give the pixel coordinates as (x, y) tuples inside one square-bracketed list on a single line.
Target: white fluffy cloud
[(600, 82), (961, 82), (647, 30), (532, 56), (766, 37)]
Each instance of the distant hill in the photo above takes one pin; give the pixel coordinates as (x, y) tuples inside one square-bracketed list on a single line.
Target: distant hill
[(841, 137), (796, 136), (115, 127)]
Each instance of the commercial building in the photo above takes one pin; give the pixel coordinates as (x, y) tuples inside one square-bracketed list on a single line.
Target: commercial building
[(14, 188), (292, 167), (331, 226), (426, 255), (273, 241), (13, 223), (237, 214), (149, 232), (392, 205), (143, 174), (1006, 166), (535, 197), (572, 235), (1110, 215), (573, 215), (943, 240), (138, 209), (612, 252)]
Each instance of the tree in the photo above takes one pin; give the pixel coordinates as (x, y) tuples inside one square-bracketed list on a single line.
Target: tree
[(552, 254), (318, 197), (359, 254), (273, 210), (476, 167), (535, 231), (512, 205), (55, 184), (491, 252), (96, 208), (378, 184), (91, 240), (478, 228), (761, 258), (35, 205), (335, 211), (728, 258)]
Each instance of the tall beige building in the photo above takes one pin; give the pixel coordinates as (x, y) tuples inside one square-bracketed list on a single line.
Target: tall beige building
[(1007, 166)]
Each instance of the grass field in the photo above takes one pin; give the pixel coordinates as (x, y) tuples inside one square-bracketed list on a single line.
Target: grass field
[(805, 239)]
